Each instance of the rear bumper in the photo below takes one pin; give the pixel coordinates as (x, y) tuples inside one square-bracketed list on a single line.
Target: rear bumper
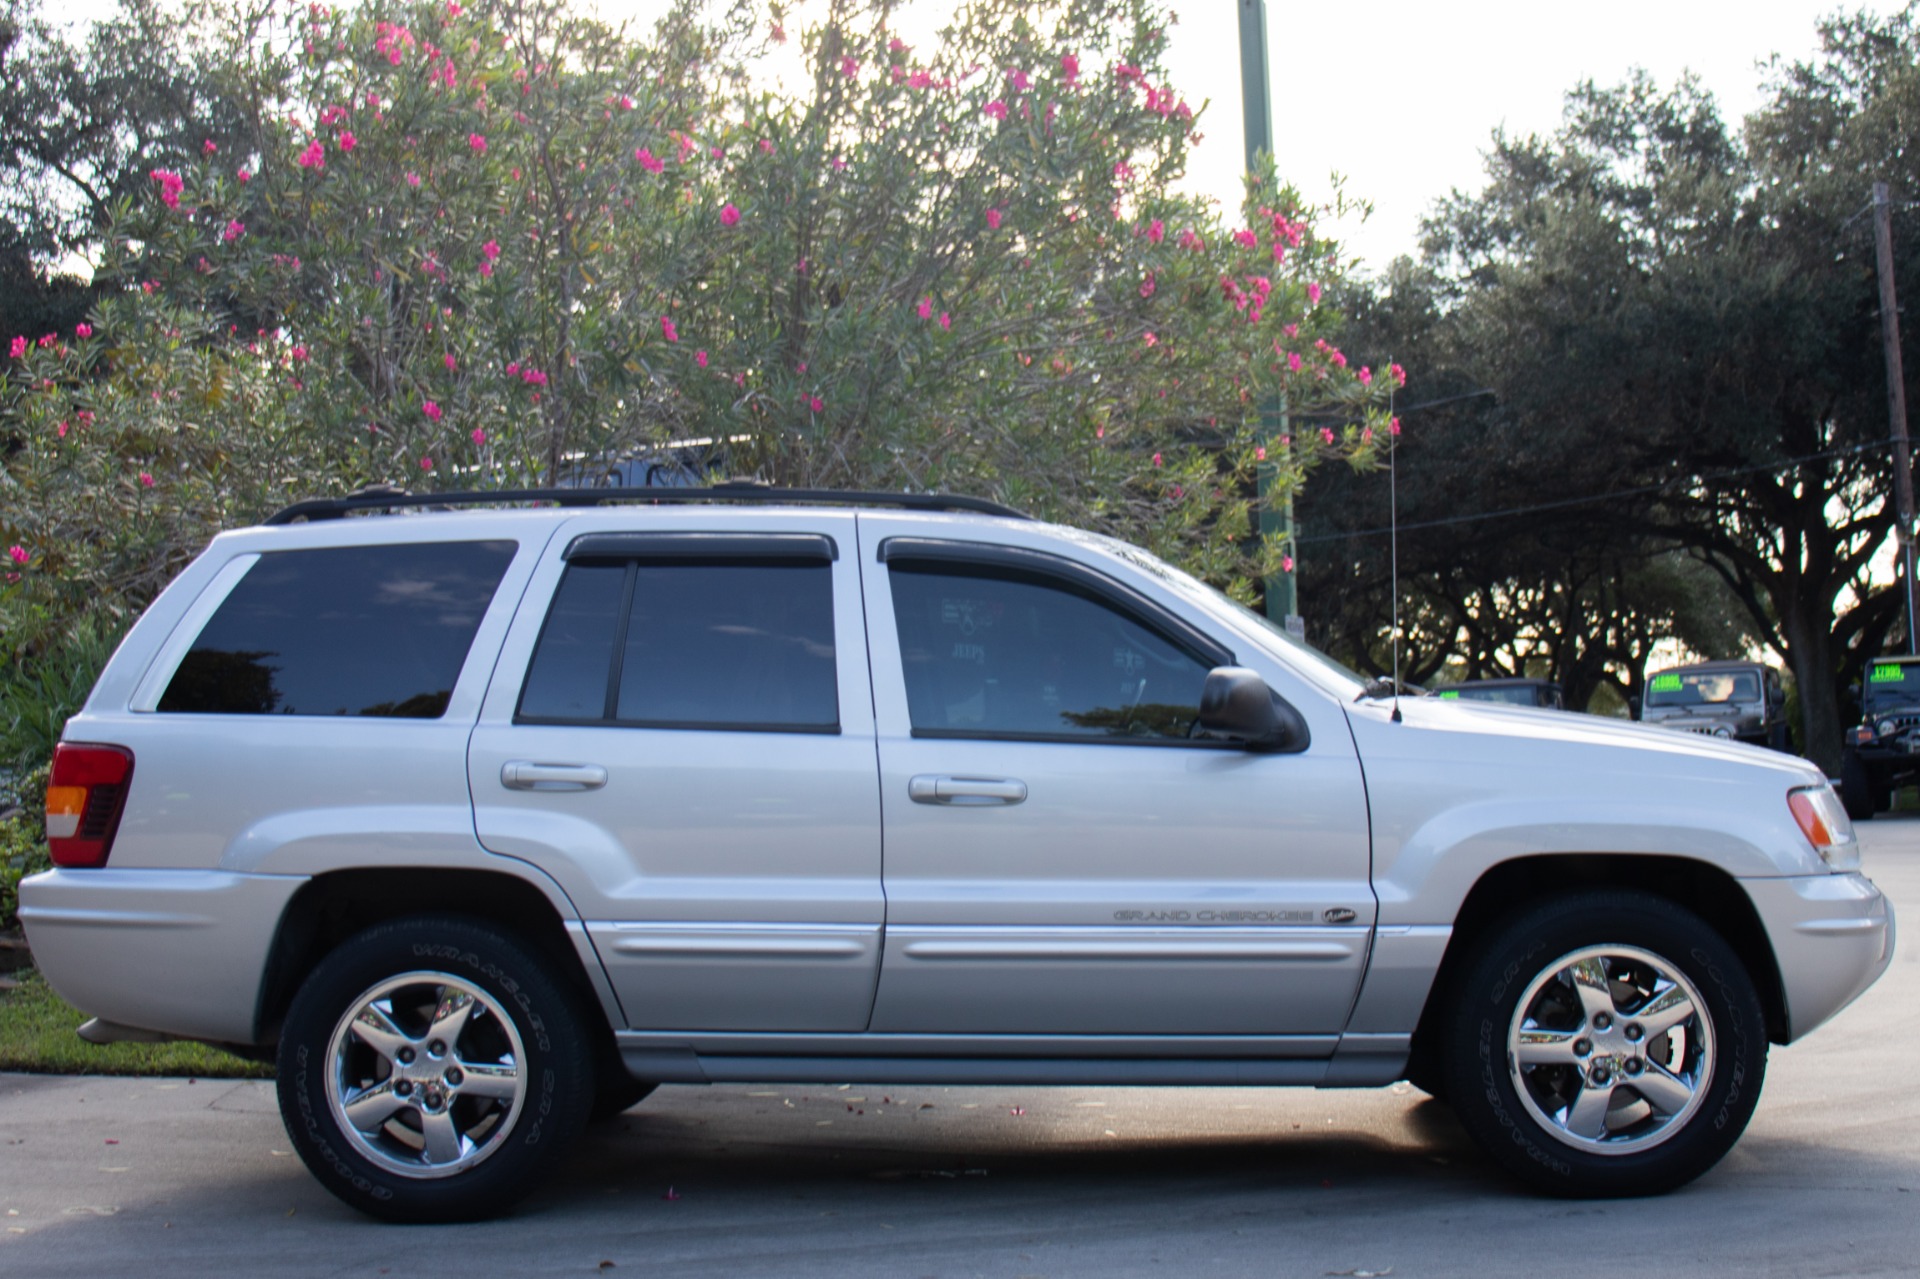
[(181, 952), (1833, 935)]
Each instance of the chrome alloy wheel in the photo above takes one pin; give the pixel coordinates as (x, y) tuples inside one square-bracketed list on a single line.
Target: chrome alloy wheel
[(424, 1075), (1611, 1049)]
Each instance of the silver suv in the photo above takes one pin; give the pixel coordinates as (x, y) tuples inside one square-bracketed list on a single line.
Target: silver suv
[(483, 821)]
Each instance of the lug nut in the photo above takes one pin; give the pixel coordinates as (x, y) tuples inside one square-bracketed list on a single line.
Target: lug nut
[(1601, 1076), (454, 1077), (1634, 1032), (437, 1049), (404, 1088), (1581, 1047), (1634, 1066), (1602, 1022), (406, 1056)]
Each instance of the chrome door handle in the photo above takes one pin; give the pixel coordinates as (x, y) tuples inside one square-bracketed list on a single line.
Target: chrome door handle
[(964, 792), (524, 774)]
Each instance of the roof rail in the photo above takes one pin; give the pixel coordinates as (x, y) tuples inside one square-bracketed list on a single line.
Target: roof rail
[(382, 497)]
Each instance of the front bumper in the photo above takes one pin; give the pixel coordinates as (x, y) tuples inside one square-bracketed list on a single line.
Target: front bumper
[(181, 952), (1833, 936)]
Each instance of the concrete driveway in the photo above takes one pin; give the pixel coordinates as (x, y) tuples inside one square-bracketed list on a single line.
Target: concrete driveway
[(104, 1176)]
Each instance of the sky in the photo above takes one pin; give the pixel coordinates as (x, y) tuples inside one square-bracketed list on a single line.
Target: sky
[(1402, 96)]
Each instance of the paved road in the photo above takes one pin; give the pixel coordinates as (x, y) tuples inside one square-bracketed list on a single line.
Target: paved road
[(106, 1177)]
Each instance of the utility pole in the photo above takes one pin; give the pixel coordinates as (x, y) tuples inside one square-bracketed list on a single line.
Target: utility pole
[(1896, 400), (1256, 112)]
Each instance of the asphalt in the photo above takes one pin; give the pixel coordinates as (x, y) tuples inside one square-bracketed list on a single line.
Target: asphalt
[(110, 1176)]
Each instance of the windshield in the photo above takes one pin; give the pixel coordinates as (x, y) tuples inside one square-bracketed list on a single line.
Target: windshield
[(1512, 694), (1889, 682), (1703, 688)]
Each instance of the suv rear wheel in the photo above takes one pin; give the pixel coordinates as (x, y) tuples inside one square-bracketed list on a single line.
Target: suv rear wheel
[(1608, 1044), (430, 1070)]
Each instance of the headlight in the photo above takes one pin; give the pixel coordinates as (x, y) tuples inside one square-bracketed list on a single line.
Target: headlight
[(1824, 821), (1886, 727), (1721, 730)]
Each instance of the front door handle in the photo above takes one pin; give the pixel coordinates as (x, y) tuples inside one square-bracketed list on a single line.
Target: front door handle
[(524, 774), (962, 792)]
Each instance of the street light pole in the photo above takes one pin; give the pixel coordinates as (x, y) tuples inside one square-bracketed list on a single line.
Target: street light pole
[(1276, 519), (1896, 399)]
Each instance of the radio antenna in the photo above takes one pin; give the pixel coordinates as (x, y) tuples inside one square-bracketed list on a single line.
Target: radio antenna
[(1393, 537)]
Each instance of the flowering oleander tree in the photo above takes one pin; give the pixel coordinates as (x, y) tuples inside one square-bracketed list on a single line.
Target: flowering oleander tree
[(501, 244)]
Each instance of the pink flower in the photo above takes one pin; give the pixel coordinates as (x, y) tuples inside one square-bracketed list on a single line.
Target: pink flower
[(426, 464), (245, 175), (1313, 294), (1017, 80), (314, 157), (208, 148), (1156, 231), (486, 270), (1393, 426), (83, 330), (766, 146), (235, 229), (18, 347), (945, 321), (299, 353), (996, 109), (648, 161), (432, 410), (1069, 68), (18, 554), (1365, 375), (146, 480), (1122, 171), (729, 216), (1286, 563), (1157, 460), (479, 436), (1260, 453), (849, 68), (1147, 286), (347, 141), (815, 403), (413, 179), (1399, 374), (478, 142), (171, 185), (626, 103), (993, 218), (1245, 238), (1326, 435), (700, 358), (925, 309), (451, 363), (667, 330)]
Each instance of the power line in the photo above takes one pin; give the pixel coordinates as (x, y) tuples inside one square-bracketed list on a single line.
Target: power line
[(1641, 491)]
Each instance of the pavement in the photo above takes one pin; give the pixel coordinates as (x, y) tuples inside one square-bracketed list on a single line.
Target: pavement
[(114, 1176)]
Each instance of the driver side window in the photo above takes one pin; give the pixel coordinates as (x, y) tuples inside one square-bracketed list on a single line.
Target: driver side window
[(995, 652)]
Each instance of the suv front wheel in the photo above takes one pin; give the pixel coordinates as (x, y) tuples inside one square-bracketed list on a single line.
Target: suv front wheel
[(1607, 1044), (431, 1069)]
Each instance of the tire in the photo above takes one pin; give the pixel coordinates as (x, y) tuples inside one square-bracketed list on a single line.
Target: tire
[(1857, 792), (462, 1109), (1780, 739), (1577, 1093)]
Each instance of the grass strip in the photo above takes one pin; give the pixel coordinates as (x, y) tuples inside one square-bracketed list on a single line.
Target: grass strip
[(37, 1036)]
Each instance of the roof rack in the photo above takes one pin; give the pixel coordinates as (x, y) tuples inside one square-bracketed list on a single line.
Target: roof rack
[(377, 497)]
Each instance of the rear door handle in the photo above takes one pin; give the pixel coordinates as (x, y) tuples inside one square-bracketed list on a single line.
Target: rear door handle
[(524, 774), (964, 792)]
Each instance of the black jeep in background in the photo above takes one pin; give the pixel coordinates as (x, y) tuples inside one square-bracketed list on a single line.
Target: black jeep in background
[(1883, 753)]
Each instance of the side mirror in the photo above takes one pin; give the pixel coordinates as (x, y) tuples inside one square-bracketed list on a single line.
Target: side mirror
[(1236, 703)]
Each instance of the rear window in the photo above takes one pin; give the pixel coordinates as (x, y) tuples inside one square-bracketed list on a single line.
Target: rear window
[(1702, 688), (379, 631)]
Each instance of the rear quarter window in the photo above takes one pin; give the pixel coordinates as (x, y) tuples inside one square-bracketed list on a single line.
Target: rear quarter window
[(376, 631)]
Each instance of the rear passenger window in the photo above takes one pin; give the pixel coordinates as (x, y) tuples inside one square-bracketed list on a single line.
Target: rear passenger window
[(377, 631), (699, 643)]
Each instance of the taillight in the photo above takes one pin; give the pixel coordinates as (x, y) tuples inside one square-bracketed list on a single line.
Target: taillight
[(85, 793)]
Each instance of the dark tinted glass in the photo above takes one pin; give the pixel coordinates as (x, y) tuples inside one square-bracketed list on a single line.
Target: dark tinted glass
[(1010, 655), (706, 645), (362, 630), (568, 677)]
